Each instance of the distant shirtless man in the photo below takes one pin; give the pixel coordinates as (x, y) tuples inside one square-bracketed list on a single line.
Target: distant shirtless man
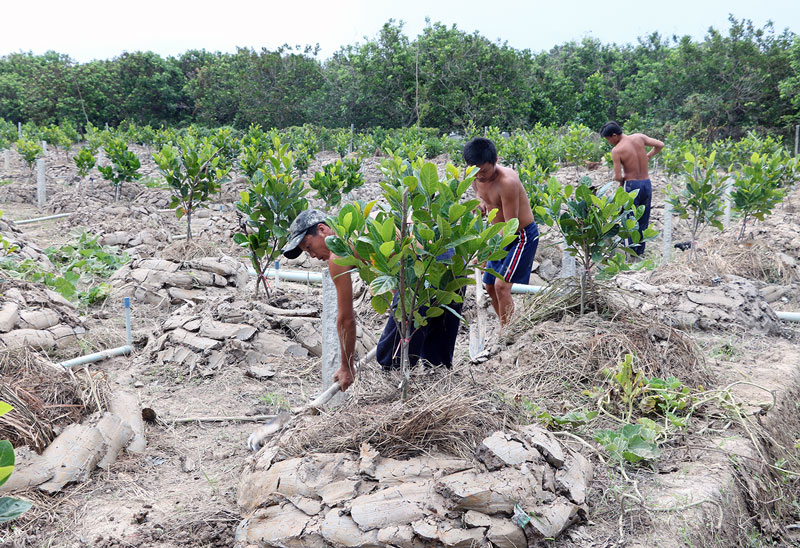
[(630, 167), (499, 187)]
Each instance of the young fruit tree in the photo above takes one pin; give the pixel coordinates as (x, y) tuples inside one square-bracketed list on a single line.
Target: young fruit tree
[(275, 197), (335, 180), (194, 169), (598, 230), (84, 161), (124, 165), (30, 150), (700, 201), (756, 190), (422, 247)]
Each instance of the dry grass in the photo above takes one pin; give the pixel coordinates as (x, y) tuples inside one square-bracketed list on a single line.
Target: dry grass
[(44, 398), (721, 256), (550, 363), (446, 412), (186, 250)]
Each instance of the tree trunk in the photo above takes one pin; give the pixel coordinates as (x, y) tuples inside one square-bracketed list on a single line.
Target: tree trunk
[(744, 226), (583, 289)]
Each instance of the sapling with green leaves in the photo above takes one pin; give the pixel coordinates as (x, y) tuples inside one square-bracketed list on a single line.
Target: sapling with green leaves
[(194, 169), (515, 150), (422, 247), (30, 150), (579, 145), (595, 228), (124, 165), (84, 161), (273, 200), (336, 180), (342, 139), (56, 137), (10, 507), (701, 199), (756, 190)]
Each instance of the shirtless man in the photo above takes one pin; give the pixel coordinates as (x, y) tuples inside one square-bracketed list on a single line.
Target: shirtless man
[(499, 187), (630, 167), (307, 233)]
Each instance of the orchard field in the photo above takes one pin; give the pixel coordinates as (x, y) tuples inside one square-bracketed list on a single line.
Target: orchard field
[(637, 403)]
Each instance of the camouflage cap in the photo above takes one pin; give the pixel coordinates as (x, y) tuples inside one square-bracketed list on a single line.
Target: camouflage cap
[(297, 231)]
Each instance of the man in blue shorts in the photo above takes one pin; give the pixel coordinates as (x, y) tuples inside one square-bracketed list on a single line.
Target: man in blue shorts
[(499, 187), (630, 168)]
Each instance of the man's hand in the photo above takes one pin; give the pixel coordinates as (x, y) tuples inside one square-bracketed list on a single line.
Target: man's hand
[(345, 377)]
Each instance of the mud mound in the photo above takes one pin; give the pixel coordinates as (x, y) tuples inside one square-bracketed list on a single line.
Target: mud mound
[(338, 499), (34, 317), (162, 282), (226, 331), (734, 303), (80, 447), (24, 249), (24, 191)]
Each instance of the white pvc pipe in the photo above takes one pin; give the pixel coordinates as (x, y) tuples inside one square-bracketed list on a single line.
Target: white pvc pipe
[(290, 275), (97, 356), (40, 219), (788, 316), (105, 354), (316, 277)]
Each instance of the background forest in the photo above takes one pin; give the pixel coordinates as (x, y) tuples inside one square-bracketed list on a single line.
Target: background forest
[(731, 82)]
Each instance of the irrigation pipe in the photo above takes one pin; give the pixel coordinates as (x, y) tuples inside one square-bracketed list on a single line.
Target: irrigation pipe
[(316, 277), (105, 354), (41, 219)]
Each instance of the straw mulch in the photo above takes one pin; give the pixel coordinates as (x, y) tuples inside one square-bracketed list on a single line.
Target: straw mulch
[(45, 398), (721, 256), (548, 362)]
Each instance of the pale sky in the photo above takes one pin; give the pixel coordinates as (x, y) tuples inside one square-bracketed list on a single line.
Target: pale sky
[(93, 29)]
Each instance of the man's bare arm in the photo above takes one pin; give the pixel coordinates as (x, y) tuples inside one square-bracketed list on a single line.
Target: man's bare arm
[(617, 167), (655, 143), (345, 323)]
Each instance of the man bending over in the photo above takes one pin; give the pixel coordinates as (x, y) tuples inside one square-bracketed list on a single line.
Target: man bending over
[(499, 187), (630, 168), (307, 233)]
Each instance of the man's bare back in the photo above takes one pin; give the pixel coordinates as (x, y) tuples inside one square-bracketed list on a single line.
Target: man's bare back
[(501, 188), (630, 156)]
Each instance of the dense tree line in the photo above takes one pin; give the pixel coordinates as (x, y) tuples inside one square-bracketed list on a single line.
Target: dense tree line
[(724, 85)]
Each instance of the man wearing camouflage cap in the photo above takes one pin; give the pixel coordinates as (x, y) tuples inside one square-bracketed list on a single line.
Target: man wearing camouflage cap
[(435, 343), (307, 233)]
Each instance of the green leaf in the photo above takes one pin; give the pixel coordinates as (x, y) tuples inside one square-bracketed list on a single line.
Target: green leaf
[(11, 508), (429, 178), (4, 408), (387, 248), (643, 449), (434, 312), (383, 284), (380, 303), (6, 460)]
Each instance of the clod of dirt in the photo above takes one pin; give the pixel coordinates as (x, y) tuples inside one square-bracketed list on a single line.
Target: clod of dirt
[(73, 455), (735, 302), (337, 499)]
